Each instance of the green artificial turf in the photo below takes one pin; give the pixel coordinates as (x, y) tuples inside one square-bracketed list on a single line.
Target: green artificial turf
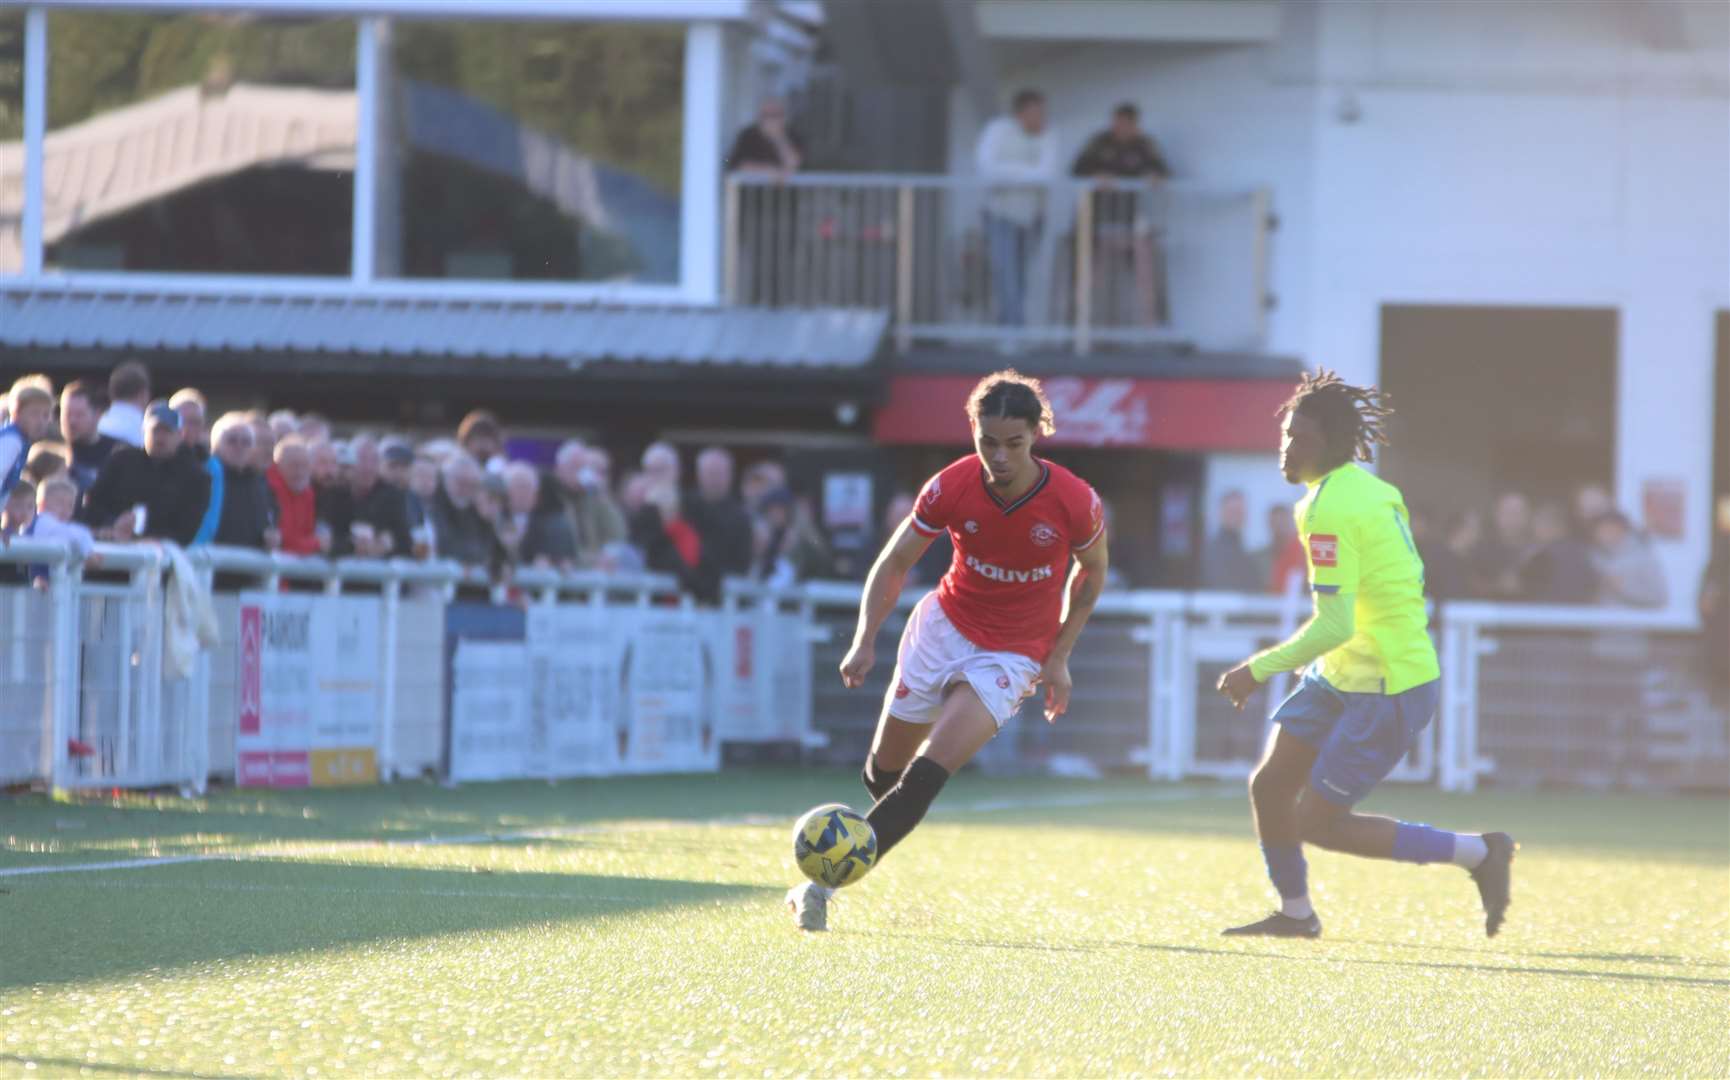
[(1029, 928)]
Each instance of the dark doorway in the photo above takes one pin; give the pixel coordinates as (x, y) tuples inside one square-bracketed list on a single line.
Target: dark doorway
[(1495, 399)]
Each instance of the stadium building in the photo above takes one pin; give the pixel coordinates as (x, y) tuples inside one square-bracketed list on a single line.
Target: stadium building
[(523, 204)]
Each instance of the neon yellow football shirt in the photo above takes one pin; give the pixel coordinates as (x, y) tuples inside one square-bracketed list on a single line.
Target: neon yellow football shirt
[(1357, 537)]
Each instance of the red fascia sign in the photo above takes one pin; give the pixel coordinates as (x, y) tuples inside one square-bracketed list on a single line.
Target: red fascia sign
[(1148, 414)]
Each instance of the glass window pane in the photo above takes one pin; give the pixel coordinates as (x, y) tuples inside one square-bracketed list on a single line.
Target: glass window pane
[(11, 142), (207, 143), (532, 151)]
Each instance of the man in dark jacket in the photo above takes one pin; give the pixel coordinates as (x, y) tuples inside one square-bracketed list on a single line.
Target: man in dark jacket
[(463, 534), (370, 501), (722, 525), (536, 534), (1560, 570), (247, 516), (166, 479), (81, 406)]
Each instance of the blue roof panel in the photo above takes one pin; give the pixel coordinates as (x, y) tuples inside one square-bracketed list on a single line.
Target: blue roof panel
[(504, 331)]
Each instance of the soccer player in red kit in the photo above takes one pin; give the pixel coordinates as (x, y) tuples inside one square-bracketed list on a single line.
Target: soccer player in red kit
[(1030, 561)]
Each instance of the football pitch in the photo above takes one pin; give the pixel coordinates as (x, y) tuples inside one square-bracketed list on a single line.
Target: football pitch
[(1029, 928)]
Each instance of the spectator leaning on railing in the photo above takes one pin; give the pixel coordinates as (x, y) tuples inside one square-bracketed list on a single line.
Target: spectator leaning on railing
[(164, 480), (1125, 163), (367, 514), (80, 408), (578, 489), (464, 534), (534, 533), (290, 479), (723, 527), (1020, 151), (1629, 574), (56, 502), (246, 516), (31, 409)]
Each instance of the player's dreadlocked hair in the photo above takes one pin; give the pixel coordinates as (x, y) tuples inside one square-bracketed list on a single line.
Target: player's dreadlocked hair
[(1351, 417), (1010, 395)]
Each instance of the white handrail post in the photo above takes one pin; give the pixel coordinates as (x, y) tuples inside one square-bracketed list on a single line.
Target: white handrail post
[(1448, 716), (391, 605), (730, 242), (904, 269), (35, 137), (1084, 272), (1470, 645), (55, 753)]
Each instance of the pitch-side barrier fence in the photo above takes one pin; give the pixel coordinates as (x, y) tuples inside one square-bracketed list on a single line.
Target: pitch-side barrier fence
[(357, 671)]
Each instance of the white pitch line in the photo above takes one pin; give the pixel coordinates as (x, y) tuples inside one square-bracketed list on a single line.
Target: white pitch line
[(555, 832), (119, 864), (329, 890)]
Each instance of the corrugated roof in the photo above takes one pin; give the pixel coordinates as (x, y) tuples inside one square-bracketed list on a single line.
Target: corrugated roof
[(559, 332)]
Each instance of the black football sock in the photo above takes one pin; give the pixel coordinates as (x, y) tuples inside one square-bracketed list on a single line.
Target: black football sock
[(878, 780), (898, 812)]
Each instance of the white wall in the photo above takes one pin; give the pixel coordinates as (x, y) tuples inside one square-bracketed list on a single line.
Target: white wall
[(1550, 153), (1543, 156)]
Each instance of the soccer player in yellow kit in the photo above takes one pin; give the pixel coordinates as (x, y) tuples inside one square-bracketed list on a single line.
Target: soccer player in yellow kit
[(1370, 682)]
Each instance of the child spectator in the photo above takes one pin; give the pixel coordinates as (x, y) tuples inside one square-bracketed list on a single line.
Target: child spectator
[(31, 408)]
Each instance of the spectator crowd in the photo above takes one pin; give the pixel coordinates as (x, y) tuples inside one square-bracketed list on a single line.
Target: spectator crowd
[(1586, 553), (93, 461), (115, 462)]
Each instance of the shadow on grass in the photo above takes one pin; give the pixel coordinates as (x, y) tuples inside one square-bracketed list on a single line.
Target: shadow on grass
[(25, 1061), (65, 928), (412, 809), (1328, 958), (1669, 959)]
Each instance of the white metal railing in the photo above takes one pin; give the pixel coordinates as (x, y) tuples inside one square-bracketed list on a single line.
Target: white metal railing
[(1529, 694), (1581, 694), (964, 259)]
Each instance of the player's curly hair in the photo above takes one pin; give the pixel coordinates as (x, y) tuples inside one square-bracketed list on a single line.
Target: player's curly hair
[(1352, 418), (1010, 395)]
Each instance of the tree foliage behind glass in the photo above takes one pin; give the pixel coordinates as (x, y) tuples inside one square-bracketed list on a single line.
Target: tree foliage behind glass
[(102, 61), (614, 92)]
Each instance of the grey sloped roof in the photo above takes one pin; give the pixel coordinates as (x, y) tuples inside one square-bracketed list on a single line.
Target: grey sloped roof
[(555, 331)]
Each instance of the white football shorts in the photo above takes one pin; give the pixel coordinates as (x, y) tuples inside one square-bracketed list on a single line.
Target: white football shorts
[(934, 656)]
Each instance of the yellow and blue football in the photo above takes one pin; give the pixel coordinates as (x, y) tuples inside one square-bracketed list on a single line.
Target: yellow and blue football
[(834, 846)]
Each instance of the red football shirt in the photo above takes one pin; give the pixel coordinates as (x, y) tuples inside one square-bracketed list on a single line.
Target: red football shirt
[(1004, 590)]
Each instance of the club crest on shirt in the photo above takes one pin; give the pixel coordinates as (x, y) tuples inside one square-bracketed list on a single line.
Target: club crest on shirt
[(932, 491), (1324, 549), (1002, 682), (1043, 535), (972, 526)]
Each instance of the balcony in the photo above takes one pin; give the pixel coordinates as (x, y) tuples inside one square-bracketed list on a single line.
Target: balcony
[(961, 260)]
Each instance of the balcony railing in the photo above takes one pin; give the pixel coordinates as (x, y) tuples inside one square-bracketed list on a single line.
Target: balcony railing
[(959, 259)]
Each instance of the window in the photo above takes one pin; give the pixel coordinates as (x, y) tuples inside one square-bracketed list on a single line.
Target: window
[(532, 151), (199, 143), (11, 142)]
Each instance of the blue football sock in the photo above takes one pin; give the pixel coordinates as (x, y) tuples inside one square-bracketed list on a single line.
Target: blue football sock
[(1422, 844), (1287, 870)]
